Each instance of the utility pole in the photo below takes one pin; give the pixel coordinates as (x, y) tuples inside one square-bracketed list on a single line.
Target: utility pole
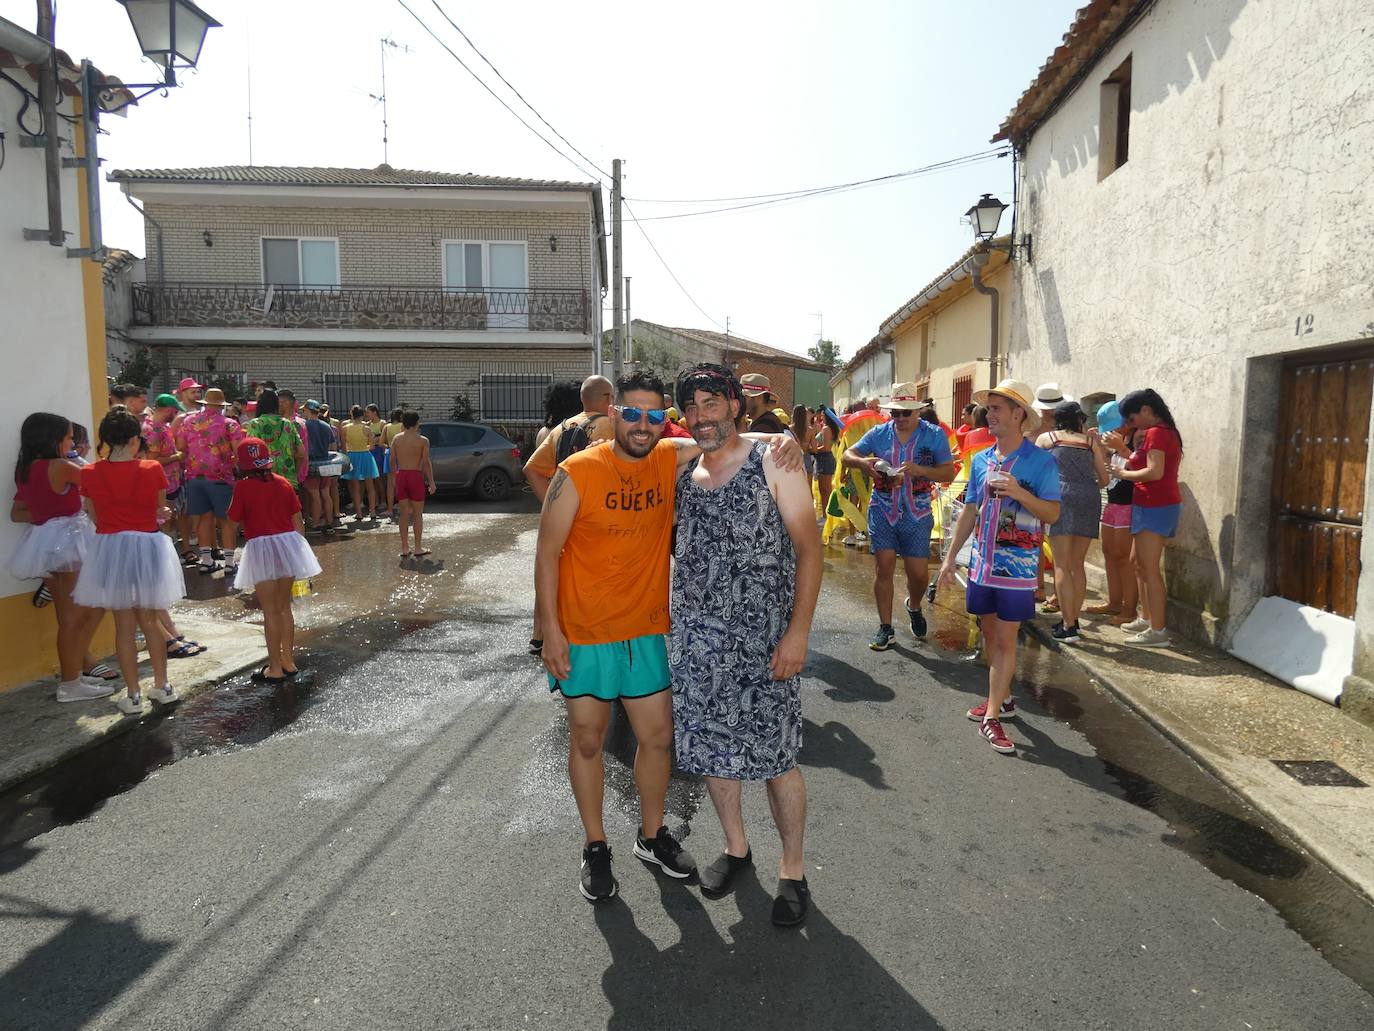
[(629, 324), (47, 106), (617, 280)]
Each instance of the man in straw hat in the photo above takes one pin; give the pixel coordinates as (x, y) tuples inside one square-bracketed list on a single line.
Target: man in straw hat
[(206, 440), (1013, 490), (902, 457), (759, 401)]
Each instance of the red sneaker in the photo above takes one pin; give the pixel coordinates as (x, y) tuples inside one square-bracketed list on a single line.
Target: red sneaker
[(1008, 711), (992, 730)]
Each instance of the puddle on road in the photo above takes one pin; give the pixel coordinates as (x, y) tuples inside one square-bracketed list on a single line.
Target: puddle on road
[(1205, 819)]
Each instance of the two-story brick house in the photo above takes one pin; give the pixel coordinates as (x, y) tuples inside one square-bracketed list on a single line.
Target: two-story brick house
[(371, 285)]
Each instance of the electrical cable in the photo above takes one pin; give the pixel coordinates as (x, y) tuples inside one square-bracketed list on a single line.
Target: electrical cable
[(433, 35), (493, 67), (978, 155), (826, 191), (667, 268)]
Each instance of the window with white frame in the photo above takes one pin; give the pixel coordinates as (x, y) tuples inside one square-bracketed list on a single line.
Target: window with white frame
[(499, 270), (300, 261)]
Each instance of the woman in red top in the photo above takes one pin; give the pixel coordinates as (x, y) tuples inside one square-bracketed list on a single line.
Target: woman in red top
[(275, 552), (132, 569), (1155, 505), (54, 543)]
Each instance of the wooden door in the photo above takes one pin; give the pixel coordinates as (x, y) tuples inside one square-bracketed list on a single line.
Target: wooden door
[(1319, 480)]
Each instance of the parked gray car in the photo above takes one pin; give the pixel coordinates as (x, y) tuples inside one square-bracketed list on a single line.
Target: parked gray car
[(467, 456)]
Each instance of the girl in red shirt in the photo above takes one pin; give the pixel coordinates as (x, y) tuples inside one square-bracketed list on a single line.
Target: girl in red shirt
[(274, 555), (54, 543), (1155, 505), (132, 568)]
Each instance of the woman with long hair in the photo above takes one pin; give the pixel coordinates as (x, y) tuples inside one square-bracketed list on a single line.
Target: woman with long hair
[(1082, 475), (825, 430), (801, 429), (1123, 597), (1155, 506)]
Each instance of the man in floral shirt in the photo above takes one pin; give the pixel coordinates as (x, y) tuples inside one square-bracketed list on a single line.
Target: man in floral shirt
[(207, 441), (161, 444)]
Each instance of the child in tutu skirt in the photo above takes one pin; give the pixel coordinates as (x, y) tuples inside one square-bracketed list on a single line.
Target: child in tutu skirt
[(132, 568), (54, 543), (275, 552)]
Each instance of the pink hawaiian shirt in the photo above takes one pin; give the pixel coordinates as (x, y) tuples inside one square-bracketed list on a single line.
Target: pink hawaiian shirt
[(161, 443), (208, 440)]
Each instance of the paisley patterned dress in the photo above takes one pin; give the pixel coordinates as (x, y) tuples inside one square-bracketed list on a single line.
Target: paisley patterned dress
[(734, 581)]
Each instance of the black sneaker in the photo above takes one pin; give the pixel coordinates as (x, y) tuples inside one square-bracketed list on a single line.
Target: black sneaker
[(930, 591), (664, 851), (1065, 634), (598, 883), (883, 639), (918, 619)]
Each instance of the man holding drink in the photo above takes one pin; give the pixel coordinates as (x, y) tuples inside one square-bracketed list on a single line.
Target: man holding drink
[(1013, 492), (903, 458)]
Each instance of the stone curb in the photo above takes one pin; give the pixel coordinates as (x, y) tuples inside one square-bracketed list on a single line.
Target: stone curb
[(1206, 757)]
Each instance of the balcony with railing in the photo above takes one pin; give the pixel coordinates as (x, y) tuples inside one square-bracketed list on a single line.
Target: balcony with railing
[(255, 306)]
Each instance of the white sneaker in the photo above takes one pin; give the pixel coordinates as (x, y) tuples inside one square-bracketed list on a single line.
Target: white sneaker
[(1150, 639), (861, 538), (83, 689), (850, 541), (164, 695), (130, 705), (1136, 626)]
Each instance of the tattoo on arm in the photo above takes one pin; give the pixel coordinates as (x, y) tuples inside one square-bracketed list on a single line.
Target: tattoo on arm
[(555, 488)]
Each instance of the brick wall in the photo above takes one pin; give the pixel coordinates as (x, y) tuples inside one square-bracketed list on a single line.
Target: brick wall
[(377, 246), (427, 378), (779, 374)]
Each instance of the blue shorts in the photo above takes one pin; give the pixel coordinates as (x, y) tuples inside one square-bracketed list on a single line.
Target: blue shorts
[(1009, 604), (635, 668), (910, 538), (1162, 519), (205, 496)]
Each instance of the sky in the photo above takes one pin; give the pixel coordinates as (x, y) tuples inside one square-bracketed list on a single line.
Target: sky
[(707, 100)]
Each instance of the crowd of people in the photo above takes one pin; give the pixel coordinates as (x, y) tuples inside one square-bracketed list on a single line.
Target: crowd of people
[(710, 504), (173, 486)]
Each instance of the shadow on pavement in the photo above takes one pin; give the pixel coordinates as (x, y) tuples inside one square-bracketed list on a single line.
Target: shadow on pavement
[(834, 746), (40, 991), (759, 976), (847, 683)]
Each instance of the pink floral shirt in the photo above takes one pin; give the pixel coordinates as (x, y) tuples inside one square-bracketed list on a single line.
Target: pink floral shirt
[(161, 443), (208, 440)]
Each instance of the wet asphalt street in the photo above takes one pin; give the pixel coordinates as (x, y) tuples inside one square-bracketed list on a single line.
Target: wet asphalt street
[(391, 843)]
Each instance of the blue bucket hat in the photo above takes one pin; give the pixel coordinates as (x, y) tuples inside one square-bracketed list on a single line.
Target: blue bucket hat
[(1109, 417)]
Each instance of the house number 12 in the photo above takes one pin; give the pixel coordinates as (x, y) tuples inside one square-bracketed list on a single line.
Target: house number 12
[(1303, 326)]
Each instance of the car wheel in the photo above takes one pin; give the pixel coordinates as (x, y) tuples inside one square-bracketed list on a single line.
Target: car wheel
[(491, 485)]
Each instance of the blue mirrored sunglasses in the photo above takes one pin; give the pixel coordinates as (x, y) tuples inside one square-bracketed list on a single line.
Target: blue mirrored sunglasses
[(656, 415)]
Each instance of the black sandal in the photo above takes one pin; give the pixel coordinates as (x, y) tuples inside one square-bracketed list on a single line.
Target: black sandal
[(717, 878), (261, 677), (791, 902)]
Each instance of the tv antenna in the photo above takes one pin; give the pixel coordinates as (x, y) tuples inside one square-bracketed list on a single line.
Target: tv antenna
[(820, 325), (386, 41)]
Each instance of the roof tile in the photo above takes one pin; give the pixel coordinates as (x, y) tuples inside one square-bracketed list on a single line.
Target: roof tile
[(382, 175)]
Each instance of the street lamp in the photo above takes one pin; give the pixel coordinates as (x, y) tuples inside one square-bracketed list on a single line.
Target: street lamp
[(168, 31), (985, 217)]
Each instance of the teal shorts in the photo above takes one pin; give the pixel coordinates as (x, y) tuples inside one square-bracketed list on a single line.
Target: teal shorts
[(635, 668)]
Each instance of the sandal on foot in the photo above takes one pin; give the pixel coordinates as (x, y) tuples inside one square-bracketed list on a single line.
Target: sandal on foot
[(261, 677), (101, 671), (41, 597), (791, 902), (423, 552), (176, 650), (292, 674), (716, 879), (193, 644)]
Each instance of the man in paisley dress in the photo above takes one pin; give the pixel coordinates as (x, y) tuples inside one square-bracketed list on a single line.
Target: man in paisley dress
[(746, 576)]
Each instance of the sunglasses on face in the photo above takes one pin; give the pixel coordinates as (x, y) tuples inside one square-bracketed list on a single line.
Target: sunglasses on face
[(902, 413), (656, 415)]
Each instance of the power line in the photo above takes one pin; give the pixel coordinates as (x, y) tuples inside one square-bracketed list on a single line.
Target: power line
[(824, 191), (516, 91), (667, 268), (483, 84)]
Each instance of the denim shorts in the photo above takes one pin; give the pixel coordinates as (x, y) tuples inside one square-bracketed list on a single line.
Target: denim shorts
[(204, 496), (910, 538), (1009, 604), (635, 668), (1161, 519)]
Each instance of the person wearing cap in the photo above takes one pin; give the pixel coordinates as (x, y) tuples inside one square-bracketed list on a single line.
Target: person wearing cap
[(1082, 475), (903, 458), (1013, 490), (206, 440), (189, 393), (320, 457), (1122, 588), (759, 401)]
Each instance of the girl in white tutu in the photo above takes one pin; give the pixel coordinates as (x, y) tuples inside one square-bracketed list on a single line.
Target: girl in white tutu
[(132, 568), (54, 543), (275, 552)]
